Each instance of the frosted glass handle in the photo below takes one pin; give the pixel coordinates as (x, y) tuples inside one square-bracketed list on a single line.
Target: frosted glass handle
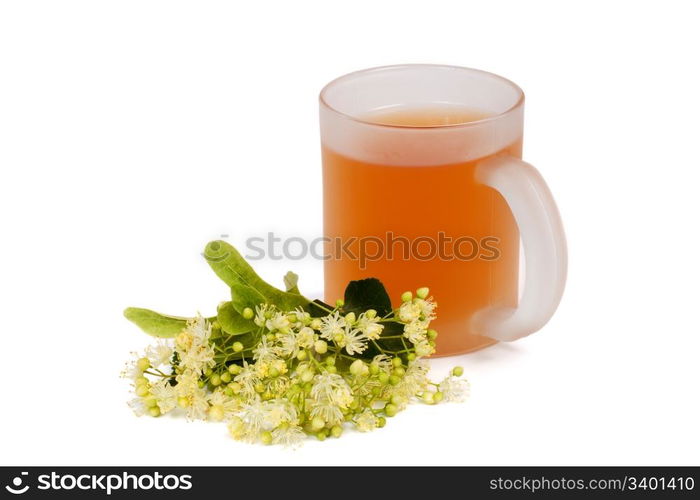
[(544, 246)]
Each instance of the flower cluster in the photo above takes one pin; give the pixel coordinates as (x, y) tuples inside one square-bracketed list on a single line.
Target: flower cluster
[(296, 374)]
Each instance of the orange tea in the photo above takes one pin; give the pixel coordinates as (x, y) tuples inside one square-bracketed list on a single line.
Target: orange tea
[(439, 228)]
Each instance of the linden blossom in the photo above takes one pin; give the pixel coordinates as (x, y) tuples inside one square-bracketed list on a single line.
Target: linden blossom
[(277, 375)]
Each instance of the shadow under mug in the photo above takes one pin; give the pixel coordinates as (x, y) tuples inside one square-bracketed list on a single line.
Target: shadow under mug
[(442, 206)]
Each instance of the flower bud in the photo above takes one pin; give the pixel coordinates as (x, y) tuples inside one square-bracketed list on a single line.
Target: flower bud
[(406, 297), (142, 390), (320, 346), (248, 313), (266, 437), (357, 367), (422, 293), (317, 423), (457, 371), (143, 364), (390, 410)]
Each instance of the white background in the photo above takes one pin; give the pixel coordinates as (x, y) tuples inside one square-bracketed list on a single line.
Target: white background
[(133, 132)]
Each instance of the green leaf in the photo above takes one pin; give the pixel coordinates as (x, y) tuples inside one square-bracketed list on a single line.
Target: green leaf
[(367, 294), (233, 269), (243, 296), (231, 321), (290, 282), (156, 324)]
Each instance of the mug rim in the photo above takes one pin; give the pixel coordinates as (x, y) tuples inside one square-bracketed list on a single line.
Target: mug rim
[(517, 104)]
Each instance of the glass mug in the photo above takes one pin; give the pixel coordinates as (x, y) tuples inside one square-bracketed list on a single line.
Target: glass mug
[(424, 187)]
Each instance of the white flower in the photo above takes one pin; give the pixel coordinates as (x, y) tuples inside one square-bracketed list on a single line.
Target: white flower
[(423, 348), (306, 338), (369, 327), (330, 387), (222, 406), (253, 418), (409, 312), (192, 397), (197, 358), (278, 385), (138, 406), (415, 331), (131, 371), (286, 344), (237, 428), (279, 411), (160, 353), (354, 342), (454, 389), (383, 361), (278, 321), (264, 352), (248, 378), (192, 345), (200, 329), (262, 416), (198, 406), (366, 421), (414, 381), (288, 435), (261, 314), (332, 325), (426, 307), (165, 395), (187, 382), (329, 412)]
